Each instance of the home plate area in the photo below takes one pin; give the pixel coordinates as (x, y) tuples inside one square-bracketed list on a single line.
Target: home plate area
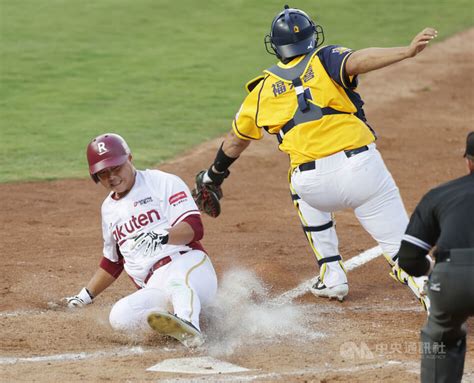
[(197, 365)]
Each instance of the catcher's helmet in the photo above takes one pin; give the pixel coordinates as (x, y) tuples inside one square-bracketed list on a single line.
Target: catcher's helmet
[(293, 33), (105, 151)]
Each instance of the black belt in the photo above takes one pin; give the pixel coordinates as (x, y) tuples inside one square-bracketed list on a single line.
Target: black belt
[(349, 153), (353, 152)]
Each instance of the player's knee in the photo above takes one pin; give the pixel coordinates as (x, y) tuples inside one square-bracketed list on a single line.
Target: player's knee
[(130, 313), (121, 315)]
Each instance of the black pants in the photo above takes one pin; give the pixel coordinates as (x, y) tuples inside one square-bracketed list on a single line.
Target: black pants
[(443, 338)]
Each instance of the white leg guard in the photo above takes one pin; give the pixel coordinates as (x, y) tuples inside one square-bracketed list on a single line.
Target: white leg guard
[(320, 231)]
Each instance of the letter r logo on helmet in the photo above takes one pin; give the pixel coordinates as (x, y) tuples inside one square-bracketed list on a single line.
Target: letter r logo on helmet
[(106, 151), (102, 148)]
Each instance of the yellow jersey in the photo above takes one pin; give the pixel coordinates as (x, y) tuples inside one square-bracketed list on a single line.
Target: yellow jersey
[(272, 103)]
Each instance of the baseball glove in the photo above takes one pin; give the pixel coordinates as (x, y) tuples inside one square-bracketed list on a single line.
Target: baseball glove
[(207, 196)]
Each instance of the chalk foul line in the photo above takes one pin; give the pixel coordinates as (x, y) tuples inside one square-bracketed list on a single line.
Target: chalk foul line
[(122, 351), (351, 264)]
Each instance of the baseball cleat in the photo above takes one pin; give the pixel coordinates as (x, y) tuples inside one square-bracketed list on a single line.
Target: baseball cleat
[(170, 325), (339, 291)]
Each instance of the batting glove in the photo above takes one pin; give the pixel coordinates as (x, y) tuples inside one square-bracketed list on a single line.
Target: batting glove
[(80, 300), (152, 241)]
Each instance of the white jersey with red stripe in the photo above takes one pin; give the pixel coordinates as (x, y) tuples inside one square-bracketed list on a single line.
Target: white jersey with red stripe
[(157, 201)]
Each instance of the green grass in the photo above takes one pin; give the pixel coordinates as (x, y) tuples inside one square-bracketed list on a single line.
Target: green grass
[(165, 75)]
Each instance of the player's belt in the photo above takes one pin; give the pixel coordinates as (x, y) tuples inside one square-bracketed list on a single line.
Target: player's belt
[(157, 265), (349, 153)]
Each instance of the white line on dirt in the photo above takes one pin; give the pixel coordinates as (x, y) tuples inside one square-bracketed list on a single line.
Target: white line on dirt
[(8, 314), (351, 264), (79, 356)]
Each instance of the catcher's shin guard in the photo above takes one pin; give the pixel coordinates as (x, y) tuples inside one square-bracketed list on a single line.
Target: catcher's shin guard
[(170, 325), (416, 284)]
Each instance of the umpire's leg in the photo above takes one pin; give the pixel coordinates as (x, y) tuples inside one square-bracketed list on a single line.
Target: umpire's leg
[(443, 338)]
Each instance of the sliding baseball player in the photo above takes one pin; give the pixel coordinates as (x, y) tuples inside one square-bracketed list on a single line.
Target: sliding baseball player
[(151, 229)]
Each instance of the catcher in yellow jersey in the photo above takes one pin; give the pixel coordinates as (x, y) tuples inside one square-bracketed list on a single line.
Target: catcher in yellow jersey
[(309, 103)]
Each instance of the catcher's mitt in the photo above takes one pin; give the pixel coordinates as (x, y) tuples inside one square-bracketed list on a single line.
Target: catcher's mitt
[(207, 196)]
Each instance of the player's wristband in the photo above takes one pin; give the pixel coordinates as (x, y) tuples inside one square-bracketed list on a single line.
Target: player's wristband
[(217, 178), (222, 161), (86, 296), (165, 239)]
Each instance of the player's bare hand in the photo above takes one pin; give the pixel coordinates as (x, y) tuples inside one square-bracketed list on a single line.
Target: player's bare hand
[(420, 41)]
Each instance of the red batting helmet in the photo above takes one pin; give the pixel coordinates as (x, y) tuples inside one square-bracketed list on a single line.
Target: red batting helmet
[(106, 151)]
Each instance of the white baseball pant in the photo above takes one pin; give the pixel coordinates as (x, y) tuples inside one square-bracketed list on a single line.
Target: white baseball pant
[(360, 182), (181, 286)]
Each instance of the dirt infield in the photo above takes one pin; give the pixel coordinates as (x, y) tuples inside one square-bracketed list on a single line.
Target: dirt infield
[(51, 244)]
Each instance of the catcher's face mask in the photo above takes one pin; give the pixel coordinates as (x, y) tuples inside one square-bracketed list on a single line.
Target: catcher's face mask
[(292, 34)]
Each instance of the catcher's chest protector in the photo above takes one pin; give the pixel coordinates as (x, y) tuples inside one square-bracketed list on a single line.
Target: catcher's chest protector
[(306, 111)]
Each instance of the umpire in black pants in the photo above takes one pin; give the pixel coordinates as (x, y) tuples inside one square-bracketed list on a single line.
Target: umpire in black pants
[(444, 218)]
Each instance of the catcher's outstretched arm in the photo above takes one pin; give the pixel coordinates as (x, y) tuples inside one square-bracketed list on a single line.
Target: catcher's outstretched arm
[(208, 191), (233, 146), (229, 151), (369, 59)]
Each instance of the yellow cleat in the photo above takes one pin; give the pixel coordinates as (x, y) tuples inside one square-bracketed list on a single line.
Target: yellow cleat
[(170, 325)]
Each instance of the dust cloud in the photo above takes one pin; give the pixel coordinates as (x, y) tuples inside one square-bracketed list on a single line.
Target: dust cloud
[(245, 313)]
